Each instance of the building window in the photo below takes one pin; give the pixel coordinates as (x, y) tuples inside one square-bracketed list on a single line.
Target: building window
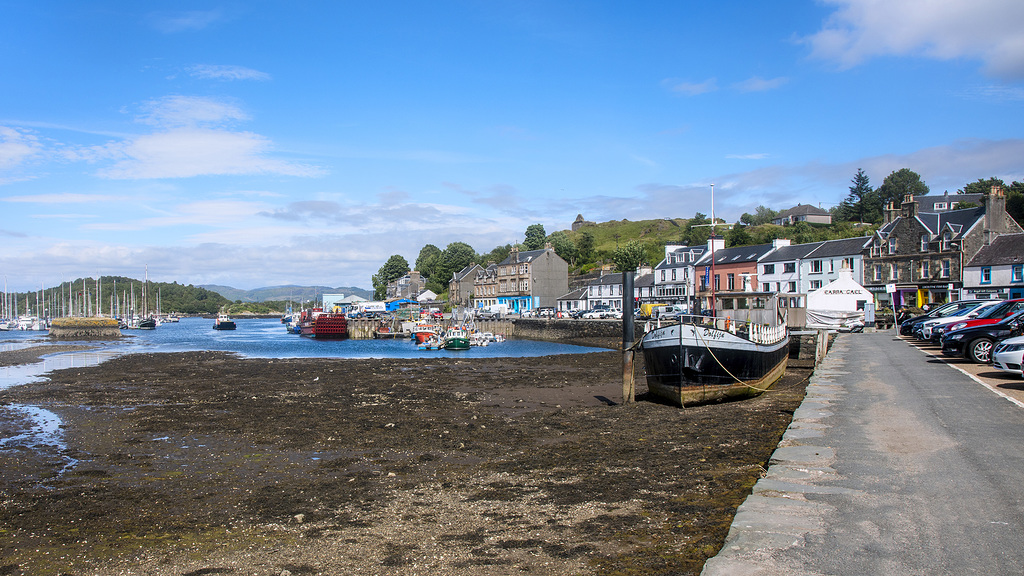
[(947, 241), (940, 206), (926, 269), (815, 266), (766, 287), (815, 284), (718, 281), (731, 281), (986, 274), (893, 244), (878, 272), (894, 272), (673, 273), (792, 287), (1017, 273), (831, 266), (662, 275), (849, 263), (924, 242), (769, 268), (945, 268), (876, 247), (789, 267)]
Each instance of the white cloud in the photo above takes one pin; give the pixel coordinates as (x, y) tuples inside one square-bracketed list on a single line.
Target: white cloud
[(760, 156), (692, 88), (191, 152), (16, 147), (60, 198), (988, 30), (181, 111), (170, 23), (215, 72), (758, 84)]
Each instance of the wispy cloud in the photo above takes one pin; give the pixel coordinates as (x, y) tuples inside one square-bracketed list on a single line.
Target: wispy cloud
[(760, 156), (171, 23), (992, 93), (60, 198), (758, 84), (16, 147), (215, 72), (691, 88), (193, 138), (987, 30)]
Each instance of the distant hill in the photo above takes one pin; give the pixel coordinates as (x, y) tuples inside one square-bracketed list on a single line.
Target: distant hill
[(284, 293)]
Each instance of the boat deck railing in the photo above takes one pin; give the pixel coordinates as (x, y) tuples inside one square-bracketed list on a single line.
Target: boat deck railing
[(756, 332)]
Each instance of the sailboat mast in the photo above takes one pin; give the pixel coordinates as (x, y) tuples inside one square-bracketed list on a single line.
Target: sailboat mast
[(713, 277)]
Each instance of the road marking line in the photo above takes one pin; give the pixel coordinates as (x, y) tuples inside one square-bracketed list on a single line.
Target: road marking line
[(968, 374)]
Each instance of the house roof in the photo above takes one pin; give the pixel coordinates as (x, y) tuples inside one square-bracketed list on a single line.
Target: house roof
[(736, 255), (1006, 249), (577, 294), (528, 256), (841, 247), (461, 274), (643, 280), (958, 222), (793, 252), (927, 203), (802, 209), (695, 253)]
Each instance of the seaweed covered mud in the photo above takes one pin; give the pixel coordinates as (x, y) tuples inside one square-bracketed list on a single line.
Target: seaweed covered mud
[(207, 463)]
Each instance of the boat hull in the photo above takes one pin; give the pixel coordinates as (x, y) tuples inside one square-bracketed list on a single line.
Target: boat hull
[(693, 364), (456, 344), (330, 326), (224, 325)]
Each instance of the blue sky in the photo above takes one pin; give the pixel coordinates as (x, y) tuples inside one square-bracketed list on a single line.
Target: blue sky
[(264, 143)]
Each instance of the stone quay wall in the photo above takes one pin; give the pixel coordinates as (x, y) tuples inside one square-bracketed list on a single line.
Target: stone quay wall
[(84, 329)]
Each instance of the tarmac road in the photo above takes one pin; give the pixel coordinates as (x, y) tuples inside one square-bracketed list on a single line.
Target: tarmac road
[(895, 463)]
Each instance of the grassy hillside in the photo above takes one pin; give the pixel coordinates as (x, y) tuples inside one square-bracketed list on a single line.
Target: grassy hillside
[(284, 293)]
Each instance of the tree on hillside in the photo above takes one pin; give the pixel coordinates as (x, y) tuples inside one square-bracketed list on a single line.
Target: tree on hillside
[(762, 215), (585, 245), (455, 257), (738, 236), (1015, 202), (498, 254), (982, 186), (629, 256), (898, 185), (535, 237), (427, 260), (696, 231), (564, 247), (862, 204), (392, 270)]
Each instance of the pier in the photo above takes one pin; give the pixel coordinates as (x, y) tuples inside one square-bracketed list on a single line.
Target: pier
[(895, 463)]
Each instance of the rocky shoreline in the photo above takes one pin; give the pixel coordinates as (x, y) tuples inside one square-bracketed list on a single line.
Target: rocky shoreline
[(206, 463)]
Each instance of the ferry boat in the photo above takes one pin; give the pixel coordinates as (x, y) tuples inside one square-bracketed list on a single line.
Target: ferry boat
[(324, 325), (223, 322), (709, 359)]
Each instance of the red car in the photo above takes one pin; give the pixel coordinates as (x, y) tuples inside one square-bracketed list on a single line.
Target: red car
[(995, 314)]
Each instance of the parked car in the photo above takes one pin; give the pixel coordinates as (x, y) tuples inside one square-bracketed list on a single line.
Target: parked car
[(545, 312), (991, 316), (929, 327), (1008, 356), (976, 343), (488, 315), (912, 327)]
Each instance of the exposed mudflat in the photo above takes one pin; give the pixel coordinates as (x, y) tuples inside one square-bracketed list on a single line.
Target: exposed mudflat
[(205, 463)]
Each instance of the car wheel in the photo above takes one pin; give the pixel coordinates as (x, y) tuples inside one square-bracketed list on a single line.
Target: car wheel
[(980, 351)]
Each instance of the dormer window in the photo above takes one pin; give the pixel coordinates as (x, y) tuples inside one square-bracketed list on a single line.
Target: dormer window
[(893, 244), (924, 242), (941, 206), (947, 241)]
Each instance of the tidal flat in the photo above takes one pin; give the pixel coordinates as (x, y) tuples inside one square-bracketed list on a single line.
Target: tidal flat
[(208, 463)]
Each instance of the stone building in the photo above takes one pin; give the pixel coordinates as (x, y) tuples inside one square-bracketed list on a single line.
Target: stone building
[(460, 286), (523, 281), (803, 213), (917, 257), (580, 223)]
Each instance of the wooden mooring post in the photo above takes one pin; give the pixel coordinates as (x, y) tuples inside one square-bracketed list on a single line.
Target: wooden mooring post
[(628, 382)]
